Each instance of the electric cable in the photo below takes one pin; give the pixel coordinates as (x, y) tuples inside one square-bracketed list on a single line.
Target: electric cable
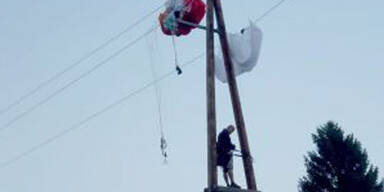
[(71, 83), (78, 62), (270, 10)]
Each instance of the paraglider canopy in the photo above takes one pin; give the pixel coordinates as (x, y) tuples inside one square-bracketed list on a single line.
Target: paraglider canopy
[(192, 11), (245, 50)]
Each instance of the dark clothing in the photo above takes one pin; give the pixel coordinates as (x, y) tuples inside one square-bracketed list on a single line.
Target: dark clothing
[(224, 148)]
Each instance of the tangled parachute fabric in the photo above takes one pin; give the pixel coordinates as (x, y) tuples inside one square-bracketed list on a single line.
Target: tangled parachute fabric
[(245, 50), (192, 11)]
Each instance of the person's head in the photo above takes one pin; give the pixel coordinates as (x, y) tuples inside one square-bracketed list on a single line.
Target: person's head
[(230, 129)]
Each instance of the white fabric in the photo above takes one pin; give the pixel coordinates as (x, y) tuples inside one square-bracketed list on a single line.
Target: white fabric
[(175, 4), (244, 51)]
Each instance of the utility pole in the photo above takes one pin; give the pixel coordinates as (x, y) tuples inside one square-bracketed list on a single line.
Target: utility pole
[(211, 105), (242, 133)]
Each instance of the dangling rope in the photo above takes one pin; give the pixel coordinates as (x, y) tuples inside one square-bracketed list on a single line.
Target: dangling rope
[(163, 147), (163, 142), (178, 69), (176, 10)]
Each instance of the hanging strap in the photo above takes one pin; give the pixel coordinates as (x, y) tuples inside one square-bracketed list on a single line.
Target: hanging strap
[(178, 69), (163, 147)]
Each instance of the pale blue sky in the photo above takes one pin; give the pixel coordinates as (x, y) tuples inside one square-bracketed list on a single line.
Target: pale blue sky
[(320, 60)]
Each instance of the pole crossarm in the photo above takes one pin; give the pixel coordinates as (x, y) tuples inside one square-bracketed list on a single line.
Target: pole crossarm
[(196, 25)]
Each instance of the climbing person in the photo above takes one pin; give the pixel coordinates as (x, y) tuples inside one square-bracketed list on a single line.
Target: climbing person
[(224, 155)]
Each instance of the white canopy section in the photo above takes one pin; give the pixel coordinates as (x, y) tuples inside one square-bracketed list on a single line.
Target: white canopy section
[(244, 49)]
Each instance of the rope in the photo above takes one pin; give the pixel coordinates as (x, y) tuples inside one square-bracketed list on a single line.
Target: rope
[(81, 60), (178, 69), (71, 83), (152, 45), (93, 116)]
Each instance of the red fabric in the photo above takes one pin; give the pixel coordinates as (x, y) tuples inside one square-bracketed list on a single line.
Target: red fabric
[(162, 16), (194, 16)]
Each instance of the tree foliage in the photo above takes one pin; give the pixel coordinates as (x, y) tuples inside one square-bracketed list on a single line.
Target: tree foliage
[(339, 164)]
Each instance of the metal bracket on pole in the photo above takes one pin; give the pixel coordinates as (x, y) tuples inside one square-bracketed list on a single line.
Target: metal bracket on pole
[(196, 25)]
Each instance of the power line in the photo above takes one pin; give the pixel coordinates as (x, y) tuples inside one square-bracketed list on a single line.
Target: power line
[(94, 115), (270, 10), (81, 60), (71, 83)]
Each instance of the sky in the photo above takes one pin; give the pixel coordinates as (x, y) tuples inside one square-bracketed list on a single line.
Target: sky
[(320, 61)]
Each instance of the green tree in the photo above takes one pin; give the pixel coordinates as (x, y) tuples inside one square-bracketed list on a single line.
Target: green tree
[(339, 164)]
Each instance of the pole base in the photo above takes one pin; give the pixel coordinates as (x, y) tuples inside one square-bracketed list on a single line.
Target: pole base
[(228, 189)]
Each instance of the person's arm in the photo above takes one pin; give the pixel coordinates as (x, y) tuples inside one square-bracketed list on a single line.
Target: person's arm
[(233, 146)]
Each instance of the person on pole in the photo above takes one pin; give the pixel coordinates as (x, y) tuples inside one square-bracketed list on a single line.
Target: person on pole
[(225, 150)]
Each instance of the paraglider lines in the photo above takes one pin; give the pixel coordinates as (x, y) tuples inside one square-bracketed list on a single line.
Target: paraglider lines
[(94, 115)]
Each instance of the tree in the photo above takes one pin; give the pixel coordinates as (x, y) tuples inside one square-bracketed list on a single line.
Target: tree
[(339, 164)]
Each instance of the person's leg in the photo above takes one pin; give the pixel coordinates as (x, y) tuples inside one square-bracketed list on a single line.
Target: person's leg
[(230, 169), (230, 174), (225, 174), (233, 183)]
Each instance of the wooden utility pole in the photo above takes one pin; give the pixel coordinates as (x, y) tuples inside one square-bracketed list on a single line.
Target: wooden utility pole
[(211, 105), (242, 133)]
